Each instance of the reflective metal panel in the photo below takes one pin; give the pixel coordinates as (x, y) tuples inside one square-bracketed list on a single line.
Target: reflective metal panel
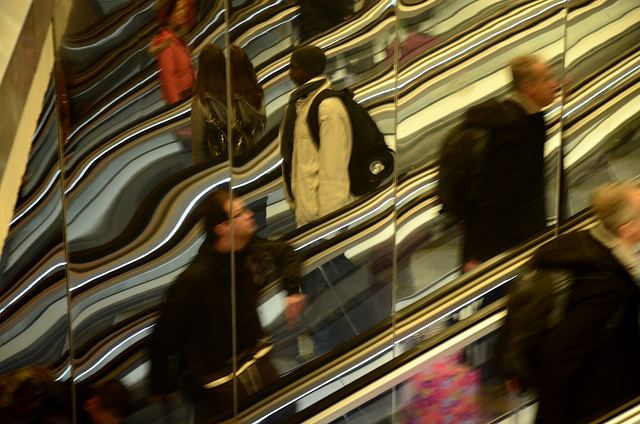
[(130, 183), (34, 323), (452, 56), (348, 252), (602, 113)]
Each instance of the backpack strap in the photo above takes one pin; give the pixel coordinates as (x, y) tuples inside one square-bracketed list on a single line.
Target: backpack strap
[(312, 116)]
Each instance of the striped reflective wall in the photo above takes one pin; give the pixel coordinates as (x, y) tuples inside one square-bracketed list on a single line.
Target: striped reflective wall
[(104, 221)]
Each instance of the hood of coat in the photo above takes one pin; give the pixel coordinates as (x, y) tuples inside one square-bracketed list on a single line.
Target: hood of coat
[(576, 251), (494, 114)]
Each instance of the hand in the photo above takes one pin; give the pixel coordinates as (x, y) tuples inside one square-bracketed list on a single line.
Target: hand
[(470, 265), (295, 305)]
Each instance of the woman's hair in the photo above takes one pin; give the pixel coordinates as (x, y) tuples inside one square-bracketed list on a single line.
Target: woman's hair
[(244, 83), (211, 78)]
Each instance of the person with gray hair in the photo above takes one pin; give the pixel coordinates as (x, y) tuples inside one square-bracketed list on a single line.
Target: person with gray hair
[(505, 203), (589, 362)]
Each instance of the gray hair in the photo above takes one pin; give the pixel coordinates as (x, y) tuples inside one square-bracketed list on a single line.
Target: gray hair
[(521, 70), (612, 204)]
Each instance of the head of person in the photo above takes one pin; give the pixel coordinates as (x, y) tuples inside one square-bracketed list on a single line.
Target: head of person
[(216, 209), (164, 9), (211, 78), (306, 62), (110, 403), (532, 77), (244, 82), (617, 205)]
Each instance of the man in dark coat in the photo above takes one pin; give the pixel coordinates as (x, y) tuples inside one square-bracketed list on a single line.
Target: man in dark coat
[(589, 362), (511, 205), (196, 323)]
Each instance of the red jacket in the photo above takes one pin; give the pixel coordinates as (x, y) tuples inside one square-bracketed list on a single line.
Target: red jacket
[(176, 72)]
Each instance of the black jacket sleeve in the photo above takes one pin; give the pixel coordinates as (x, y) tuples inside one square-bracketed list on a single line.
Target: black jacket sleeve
[(164, 344)]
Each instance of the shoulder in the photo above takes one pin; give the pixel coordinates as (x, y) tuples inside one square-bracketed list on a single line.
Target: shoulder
[(577, 250), (333, 104)]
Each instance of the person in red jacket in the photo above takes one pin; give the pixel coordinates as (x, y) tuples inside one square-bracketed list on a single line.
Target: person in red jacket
[(177, 76)]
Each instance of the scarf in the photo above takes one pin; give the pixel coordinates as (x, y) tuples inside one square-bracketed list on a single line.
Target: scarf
[(610, 240)]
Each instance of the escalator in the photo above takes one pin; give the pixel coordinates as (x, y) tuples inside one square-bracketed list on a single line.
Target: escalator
[(443, 379), (424, 334), (435, 339)]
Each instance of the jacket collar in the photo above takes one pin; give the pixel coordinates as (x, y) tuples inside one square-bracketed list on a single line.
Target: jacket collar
[(525, 102), (611, 241)]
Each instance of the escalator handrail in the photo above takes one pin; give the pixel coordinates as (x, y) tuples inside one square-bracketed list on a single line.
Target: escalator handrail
[(415, 317), (404, 366)]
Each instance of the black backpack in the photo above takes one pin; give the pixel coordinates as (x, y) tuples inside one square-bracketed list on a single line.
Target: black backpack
[(461, 161), (371, 160)]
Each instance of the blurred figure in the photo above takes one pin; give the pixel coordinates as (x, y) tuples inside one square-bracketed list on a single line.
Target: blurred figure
[(195, 326), (110, 403), (209, 102), (316, 176), (588, 363), (507, 205), (446, 392), (178, 14), (170, 50), (319, 16), (30, 395)]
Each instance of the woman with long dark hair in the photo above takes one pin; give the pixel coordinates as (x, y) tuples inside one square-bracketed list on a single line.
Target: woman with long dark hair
[(209, 98), (248, 95)]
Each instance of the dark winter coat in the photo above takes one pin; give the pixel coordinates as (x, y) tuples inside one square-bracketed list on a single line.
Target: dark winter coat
[(195, 323), (587, 369), (511, 207)]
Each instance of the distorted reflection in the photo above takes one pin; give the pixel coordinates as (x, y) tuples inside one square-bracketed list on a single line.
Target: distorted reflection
[(348, 295), (34, 322), (197, 321), (247, 102), (491, 168), (453, 65), (318, 17), (448, 391), (601, 117), (209, 107), (32, 395), (177, 77), (108, 403), (130, 183)]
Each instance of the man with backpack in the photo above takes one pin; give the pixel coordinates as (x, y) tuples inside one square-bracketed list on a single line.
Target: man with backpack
[(316, 176), (586, 362), (332, 152), (491, 177), (332, 149)]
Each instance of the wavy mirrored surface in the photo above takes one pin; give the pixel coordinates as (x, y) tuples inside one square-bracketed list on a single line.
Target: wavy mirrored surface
[(130, 183), (453, 56), (601, 116), (34, 322)]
